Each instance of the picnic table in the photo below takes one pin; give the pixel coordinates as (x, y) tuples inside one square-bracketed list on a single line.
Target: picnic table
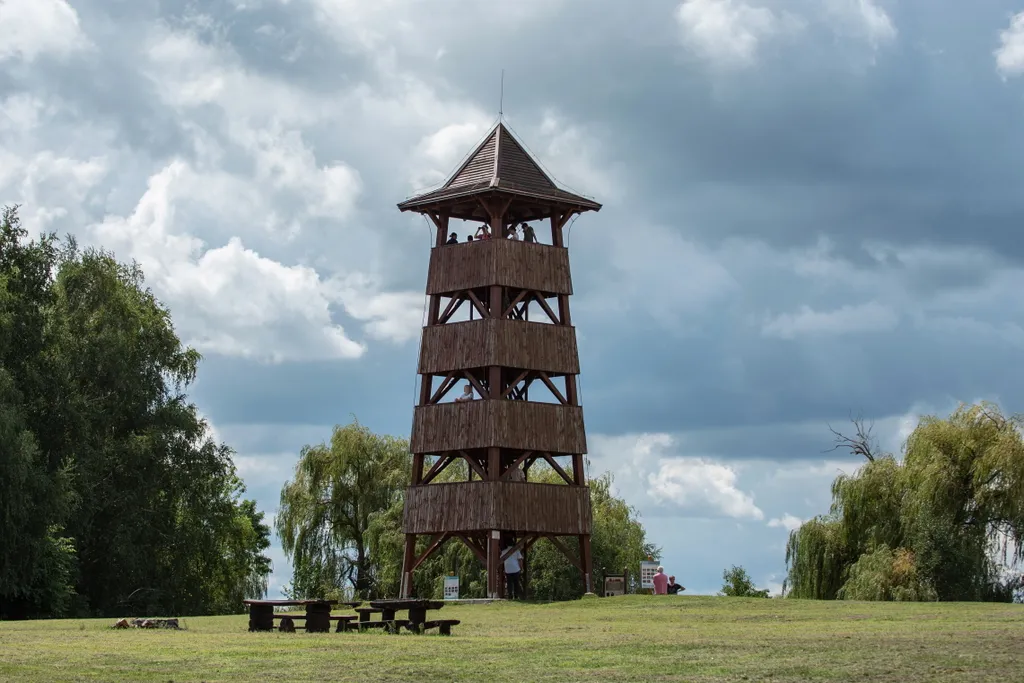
[(417, 608), (317, 617)]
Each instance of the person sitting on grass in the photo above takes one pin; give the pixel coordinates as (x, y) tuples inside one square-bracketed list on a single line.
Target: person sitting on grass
[(660, 582), (673, 587)]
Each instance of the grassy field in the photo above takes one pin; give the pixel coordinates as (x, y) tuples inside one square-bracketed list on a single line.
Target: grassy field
[(634, 638)]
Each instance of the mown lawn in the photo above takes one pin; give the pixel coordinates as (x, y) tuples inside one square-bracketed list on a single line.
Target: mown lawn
[(634, 638)]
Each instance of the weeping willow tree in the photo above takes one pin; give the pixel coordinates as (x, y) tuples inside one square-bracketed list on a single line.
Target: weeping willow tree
[(328, 510), (945, 523)]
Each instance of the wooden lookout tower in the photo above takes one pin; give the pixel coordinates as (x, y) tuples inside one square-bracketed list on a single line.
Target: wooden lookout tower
[(518, 333)]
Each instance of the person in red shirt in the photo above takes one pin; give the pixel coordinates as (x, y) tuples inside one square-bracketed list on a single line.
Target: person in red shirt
[(660, 582)]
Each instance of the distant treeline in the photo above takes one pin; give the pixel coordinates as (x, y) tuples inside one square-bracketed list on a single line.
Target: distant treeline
[(944, 522), (114, 500)]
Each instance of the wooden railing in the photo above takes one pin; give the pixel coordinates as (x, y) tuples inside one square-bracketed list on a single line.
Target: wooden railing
[(511, 506), (519, 425), (512, 263)]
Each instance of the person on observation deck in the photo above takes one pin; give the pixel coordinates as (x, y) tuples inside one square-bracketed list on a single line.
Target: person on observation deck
[(467, 394), (483, 232), (452, 239), (528, 234), (660, 582)]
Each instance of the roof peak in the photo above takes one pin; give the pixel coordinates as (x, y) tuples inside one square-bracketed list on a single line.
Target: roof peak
[(500, 157), (500, 163)]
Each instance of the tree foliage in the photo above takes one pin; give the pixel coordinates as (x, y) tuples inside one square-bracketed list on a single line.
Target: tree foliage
[(944, 523), (326, 553), (113, 497), (326, 511), (738, 584)]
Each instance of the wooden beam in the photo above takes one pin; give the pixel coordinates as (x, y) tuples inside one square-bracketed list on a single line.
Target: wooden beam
[(484, 393), (515, 302), (484, 313), (480, 555), (438, 541), (547, 309), (446, 386), (449, 311), (442, 462), (516, 463), (557, 468), (565, 551), (552, 388), (473, 464), (510, 387)]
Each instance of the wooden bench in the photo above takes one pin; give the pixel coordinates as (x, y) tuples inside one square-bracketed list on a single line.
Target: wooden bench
[(288, 622), (365, 612), (343, 622), (443, 626)]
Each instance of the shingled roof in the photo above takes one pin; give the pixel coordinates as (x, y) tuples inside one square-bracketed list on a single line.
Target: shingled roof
[(499, 164)]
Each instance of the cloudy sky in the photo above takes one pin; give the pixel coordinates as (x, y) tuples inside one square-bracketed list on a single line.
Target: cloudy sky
[(809, 211)]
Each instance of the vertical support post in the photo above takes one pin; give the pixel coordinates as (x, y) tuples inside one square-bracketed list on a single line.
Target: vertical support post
[(442, 230), (556, 231), (426, 388), (587, 561), (570, 390), (493, 562), (405, 590), (577, 469), (417, 469), (434, 310)]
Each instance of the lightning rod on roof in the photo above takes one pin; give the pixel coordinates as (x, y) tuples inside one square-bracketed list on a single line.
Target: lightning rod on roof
[(501, 99)]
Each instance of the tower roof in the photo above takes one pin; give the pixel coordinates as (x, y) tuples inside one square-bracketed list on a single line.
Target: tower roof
[(498, 165)]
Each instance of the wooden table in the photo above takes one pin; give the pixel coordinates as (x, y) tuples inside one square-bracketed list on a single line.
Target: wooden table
[(318, 613)]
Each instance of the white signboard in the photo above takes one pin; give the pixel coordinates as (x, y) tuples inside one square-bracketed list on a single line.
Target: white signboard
[(647, 572), (451, 588), (614, 585)]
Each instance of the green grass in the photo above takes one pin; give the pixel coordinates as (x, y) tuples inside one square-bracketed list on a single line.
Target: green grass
[(634, 638)]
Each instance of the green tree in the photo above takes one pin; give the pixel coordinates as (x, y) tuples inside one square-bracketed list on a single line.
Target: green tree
[(36, 560), (327, 509), (93, 401), (932, 526), (738, 584)]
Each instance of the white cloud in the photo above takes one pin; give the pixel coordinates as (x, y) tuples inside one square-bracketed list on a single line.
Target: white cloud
[(649, 473), (438, 154), (869, 317), (726, 32), (787, 521), (227, 299), (31, 28), (863, 18), (700, 486), (1010, 54), (391, 316)]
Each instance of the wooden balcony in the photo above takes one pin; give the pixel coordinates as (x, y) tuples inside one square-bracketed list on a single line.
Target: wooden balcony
[(519, 425), (498, 341), (508, 506), (512, 263)]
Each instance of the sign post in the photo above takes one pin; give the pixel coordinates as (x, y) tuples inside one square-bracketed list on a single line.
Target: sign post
[(451, 588)]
